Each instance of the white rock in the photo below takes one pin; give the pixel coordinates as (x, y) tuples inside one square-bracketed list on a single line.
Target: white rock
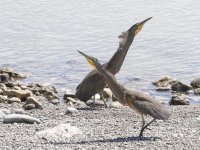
[(20, 118), (115, 104), (71, 110), (59, 133)]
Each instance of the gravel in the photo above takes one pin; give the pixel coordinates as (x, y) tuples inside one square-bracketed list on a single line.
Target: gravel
[(104, 128)]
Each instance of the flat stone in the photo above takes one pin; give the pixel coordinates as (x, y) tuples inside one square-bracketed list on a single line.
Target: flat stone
[(33, 100), (70, 99), (20, 118), (163, 88), (164, 82), (21, 94), (179, 99), (14, 99), (59, 133)]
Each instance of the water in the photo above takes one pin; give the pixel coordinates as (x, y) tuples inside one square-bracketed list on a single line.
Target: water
[(41, 37)]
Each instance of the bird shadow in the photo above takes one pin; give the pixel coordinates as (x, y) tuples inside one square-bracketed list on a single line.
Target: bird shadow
[(90, 108), (115, 140), (121, 139)]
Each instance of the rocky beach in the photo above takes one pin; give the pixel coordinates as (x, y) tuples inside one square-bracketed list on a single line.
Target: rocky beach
[(32, 117)]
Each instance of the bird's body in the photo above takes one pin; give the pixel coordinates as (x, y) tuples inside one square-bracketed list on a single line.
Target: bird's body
[(143, 104), (93, 82)]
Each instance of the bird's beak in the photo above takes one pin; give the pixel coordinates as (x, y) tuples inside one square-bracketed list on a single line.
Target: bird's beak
[(89, 59), (141, 24)]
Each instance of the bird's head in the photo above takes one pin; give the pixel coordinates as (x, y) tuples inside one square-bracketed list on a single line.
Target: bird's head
[(136, 28), (91, 60)]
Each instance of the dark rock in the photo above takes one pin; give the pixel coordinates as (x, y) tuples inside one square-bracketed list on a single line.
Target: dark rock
[(4, 77), (10, 84), (180, 87), (195, 83), (20, 118), (179, 99)]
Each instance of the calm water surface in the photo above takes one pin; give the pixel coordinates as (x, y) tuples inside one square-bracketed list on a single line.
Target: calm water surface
[(41, 37)]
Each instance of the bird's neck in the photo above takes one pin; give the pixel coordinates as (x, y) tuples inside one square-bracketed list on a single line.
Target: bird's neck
[(115, 87), (115, 63)]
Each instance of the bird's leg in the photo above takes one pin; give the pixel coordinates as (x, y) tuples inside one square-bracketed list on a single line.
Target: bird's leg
[(93, 101), (143, 124), (144, 127), (103, 100)]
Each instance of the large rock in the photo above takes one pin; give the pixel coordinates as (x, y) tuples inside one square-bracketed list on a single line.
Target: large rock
[(59, 133), (180, 87), (179, 99), (20, 118), (195, 83), (14, 99), (164, 82), (21, 94), (33, 100)]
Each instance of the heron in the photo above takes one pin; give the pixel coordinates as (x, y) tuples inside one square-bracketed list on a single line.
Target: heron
[(93, 83), (142, 103)]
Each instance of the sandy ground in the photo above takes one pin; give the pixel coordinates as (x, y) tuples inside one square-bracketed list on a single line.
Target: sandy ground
[(105, 128)]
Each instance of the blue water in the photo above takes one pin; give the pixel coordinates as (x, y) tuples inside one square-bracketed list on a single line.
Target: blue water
[(41, 37)]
